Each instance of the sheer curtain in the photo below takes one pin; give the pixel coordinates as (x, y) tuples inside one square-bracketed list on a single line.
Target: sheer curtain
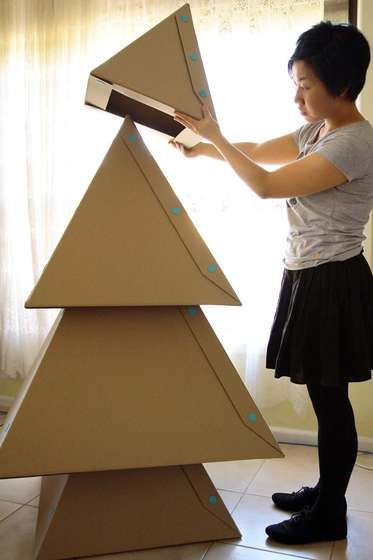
[(51, 145)]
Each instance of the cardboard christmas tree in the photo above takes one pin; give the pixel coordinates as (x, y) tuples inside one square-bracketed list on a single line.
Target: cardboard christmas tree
[(132, 391), (130, 242)]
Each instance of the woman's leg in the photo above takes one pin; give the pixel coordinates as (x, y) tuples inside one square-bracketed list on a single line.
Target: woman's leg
[(337, 440)]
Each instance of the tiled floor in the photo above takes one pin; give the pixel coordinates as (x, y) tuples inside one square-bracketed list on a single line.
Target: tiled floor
[(246, 488)]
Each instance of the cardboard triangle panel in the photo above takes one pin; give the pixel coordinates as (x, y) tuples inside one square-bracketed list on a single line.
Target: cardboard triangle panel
[(131, 242), (160, 72), (131, 387), (134, 509)]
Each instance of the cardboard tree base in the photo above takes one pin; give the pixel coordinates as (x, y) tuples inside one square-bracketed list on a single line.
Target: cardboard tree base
[(97, 513)]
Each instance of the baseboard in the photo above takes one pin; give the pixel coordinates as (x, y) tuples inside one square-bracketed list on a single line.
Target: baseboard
[(289, 435), (306, 437)]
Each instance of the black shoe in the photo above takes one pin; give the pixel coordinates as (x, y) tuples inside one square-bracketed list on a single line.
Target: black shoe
[(296, 501), (305, 527)]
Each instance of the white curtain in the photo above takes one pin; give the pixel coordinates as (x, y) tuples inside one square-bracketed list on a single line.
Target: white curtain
[(51, 145)]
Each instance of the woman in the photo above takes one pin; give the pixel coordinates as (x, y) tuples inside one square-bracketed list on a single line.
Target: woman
[(322, 334)]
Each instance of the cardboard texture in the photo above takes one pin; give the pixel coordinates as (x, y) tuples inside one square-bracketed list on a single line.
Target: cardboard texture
[(130, 242), (160, 72), (132, 391), (134, 509), (159, 380)]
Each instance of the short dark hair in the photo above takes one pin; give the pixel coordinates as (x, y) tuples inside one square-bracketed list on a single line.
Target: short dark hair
[(339, 55)]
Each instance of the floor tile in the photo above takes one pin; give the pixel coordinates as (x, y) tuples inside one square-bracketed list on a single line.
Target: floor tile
[(6, 508), (298, 468), (20, 490), (229, 552), (359, 542), (254, 513), (233, 475), (17, 534), (34, 502), (185, 552), (359, 493), (230, 499)]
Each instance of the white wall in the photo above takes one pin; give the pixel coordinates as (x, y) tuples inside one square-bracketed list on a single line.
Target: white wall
[(365, 102)]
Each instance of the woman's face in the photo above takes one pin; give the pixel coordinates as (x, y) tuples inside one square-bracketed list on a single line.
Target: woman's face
[(313, 99)]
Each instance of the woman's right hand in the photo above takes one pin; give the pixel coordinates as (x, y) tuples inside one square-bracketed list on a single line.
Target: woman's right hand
[(187, 152)]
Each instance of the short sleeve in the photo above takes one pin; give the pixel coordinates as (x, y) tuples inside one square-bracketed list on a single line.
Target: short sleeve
[(348, 152), (296, 135), (302, 134)]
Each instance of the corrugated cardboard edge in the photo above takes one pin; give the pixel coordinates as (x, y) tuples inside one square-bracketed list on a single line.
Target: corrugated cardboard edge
[(197, 75)]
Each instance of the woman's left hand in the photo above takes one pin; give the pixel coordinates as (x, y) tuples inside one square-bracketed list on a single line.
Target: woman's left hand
[(207, 127)]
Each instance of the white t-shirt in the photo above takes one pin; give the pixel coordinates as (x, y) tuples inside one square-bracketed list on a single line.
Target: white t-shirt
[(328, 226)]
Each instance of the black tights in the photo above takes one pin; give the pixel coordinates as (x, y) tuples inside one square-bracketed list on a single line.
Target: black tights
[(338, 444)]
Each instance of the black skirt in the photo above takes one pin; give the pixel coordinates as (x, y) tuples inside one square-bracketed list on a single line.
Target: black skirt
[(323, 326)]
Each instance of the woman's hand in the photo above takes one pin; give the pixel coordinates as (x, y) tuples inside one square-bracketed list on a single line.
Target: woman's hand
[(207, 127), (187, 152)]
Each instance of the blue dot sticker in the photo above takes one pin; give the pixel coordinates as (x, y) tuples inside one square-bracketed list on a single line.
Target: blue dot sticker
[(252, 416), (194, 56), (132, 138), (211, 267), (213, 499), (192, 311), (184, 18), (176, 210), (202, 93)]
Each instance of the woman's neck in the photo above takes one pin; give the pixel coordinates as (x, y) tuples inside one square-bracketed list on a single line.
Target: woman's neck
[(347, 115)]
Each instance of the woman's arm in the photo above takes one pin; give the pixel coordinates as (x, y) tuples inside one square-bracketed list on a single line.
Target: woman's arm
[(276, 151), (310, 174), (279, 150)]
